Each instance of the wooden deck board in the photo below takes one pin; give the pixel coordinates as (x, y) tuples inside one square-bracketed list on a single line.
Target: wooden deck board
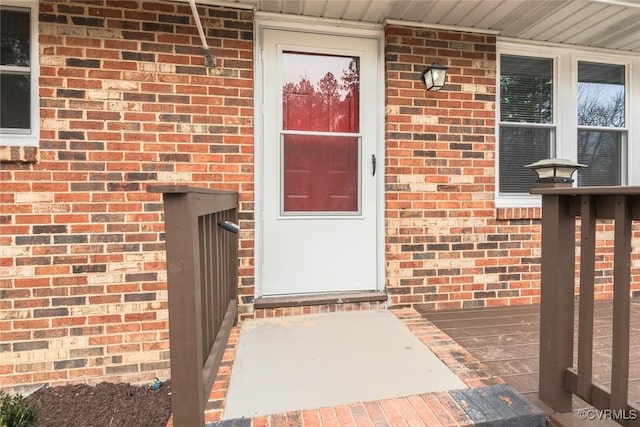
[(506, 339)]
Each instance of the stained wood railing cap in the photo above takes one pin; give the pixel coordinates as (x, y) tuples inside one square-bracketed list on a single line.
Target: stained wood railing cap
[(597, 191)]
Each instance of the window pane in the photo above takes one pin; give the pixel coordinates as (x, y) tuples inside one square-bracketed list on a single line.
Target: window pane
[(320, 173), (320, 92), (15, 101), (601, 151), (14, 37), (601, 95), (526, 89), (520, 146)]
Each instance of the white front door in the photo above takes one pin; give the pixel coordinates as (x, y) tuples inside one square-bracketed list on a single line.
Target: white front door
[(320, 163)]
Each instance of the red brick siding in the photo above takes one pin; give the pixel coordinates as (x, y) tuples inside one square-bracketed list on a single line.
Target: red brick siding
[(447, 246), (125, 102)]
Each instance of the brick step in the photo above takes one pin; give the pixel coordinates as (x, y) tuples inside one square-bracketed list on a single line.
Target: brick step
[(490, 406), (498, 405)]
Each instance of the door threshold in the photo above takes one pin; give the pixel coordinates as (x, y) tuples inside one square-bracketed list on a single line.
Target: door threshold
[(300, 300)]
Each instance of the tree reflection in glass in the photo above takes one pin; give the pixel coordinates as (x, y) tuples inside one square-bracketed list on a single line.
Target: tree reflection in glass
[(601, 109)]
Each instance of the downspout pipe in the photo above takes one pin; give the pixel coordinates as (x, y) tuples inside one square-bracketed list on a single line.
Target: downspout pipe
[(209, 59)]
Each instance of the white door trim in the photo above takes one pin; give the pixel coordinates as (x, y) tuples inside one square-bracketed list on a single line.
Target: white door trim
[(319, 26)]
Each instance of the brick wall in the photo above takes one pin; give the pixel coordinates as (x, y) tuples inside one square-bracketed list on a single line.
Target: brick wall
[(125, 102), (447, 245)]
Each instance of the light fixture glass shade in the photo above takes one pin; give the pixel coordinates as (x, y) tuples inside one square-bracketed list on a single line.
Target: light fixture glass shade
[(434, 76), (564, 172), (544, 172), (555, 170)]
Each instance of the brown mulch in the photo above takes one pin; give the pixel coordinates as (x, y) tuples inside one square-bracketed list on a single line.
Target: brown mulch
[(102, 405)]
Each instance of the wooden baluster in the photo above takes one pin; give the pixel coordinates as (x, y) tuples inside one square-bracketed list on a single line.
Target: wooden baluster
[(621, 303), (587, 274)]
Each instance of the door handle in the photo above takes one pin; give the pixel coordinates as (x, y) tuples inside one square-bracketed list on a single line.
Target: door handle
[(373, 164)]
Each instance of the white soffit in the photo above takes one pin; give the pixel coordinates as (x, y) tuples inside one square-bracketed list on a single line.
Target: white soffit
[(607, 24)]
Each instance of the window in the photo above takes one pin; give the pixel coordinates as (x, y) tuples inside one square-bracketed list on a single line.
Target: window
[(526, 118), (18, 74), (564, 103), (601, 123)]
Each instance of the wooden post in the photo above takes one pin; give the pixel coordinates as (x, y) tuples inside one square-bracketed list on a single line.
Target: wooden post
[(556, 306), (185, 315)]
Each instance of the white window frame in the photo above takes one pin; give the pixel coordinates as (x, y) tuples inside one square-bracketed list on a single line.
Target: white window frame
[(30, 138), (565, 107)]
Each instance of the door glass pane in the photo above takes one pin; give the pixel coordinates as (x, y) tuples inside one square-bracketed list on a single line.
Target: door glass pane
[(14, 37), (320, 96), (320, 173), (601, 151), (601, 95), (520, 146), (320, 92)]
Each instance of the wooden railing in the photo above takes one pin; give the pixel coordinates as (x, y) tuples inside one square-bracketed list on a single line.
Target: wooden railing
[(559, 379), (202, 283)]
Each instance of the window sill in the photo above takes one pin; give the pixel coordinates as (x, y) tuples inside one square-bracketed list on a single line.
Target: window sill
[(14, 154)]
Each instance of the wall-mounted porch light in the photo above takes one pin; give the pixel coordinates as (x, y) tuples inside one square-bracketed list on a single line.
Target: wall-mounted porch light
[(434, 76), (555, 172)]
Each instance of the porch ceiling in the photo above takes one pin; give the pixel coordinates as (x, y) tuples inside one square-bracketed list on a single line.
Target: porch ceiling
[(609, 24)]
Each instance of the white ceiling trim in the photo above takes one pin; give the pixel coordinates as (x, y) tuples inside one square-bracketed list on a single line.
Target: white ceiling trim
[(515, 42), (440, 27), (619, 3), (302, 22)]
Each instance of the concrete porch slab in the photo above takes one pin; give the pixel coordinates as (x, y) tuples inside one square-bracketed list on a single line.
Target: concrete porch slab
[(444, 408), (320, 360)]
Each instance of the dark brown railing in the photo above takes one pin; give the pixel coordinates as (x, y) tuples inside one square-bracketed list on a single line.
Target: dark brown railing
[(559, 379), (202, 276)]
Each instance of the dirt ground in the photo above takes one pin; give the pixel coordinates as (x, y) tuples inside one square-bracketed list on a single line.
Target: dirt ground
[(102, 405)]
